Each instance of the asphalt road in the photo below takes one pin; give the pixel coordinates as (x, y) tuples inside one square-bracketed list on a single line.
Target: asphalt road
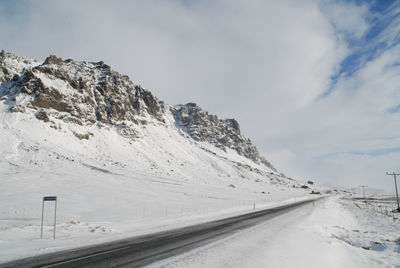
[(143, 250)]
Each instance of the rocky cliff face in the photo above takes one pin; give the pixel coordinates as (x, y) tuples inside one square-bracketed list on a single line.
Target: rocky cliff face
[(83, 93), (91, 93), (224, 134)]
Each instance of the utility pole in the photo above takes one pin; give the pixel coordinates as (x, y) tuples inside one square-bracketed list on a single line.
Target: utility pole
[(395, 186), (363, 186), (353, 191)]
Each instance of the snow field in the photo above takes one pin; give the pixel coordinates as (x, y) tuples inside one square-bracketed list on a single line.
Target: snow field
[(331, 234), (109, 187)]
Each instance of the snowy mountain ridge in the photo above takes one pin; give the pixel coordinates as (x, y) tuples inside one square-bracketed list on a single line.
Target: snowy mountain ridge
[(86, 94)]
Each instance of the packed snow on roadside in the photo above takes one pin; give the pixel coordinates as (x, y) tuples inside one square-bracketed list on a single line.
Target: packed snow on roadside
[(109, 187), (336, 232)]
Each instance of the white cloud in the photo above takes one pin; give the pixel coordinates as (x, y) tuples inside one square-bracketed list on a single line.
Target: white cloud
[(347, 17), (204, 52), (354, 118)]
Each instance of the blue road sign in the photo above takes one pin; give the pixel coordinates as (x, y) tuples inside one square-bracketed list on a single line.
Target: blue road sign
[(49, 198)]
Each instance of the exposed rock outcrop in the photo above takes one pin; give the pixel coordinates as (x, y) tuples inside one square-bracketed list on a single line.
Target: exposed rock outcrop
[(84, 93), (224, 134)]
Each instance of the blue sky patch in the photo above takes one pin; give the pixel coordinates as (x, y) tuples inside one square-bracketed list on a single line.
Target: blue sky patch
[(377, 152), (372, 44), (395, 109)]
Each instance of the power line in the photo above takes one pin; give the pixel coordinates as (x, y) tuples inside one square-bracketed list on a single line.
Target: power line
[(395, 186), (363, 186)]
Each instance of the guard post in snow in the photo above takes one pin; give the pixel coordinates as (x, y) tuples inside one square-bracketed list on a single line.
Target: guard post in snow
[(49, 198)]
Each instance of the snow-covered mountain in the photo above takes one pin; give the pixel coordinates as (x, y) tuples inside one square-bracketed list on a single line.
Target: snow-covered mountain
[(89, 94), (115, 155), (66, 92)]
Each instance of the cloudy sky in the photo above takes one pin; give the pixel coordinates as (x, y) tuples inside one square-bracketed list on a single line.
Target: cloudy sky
[(314, 84)]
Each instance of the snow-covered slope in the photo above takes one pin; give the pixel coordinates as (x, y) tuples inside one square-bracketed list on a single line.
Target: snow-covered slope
[(84, 99), (118, 158)]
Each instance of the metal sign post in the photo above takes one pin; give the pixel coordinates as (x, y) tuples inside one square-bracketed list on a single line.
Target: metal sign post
[(49, 198)]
